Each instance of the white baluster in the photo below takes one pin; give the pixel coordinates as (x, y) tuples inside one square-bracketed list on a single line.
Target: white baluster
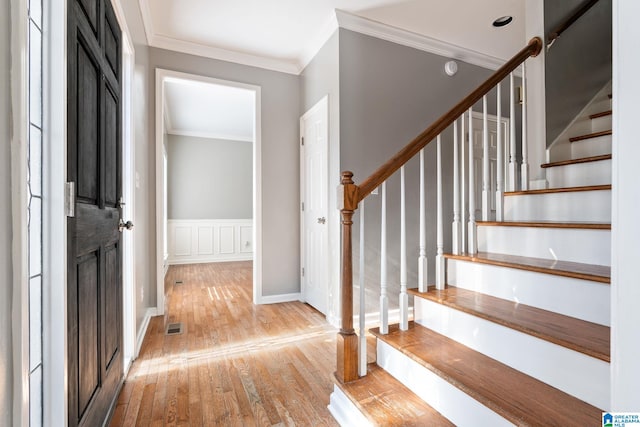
[(472, 239), (500, 158), (422, 258), (404, 298), (513, 165), (362, 339), (486, 185), (524, 171), (439, 225), (455, 227), (384, 300), (463, 182)]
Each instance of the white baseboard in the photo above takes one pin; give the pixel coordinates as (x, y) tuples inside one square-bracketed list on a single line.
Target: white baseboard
[(151, 312), (274, 299), (205, 260)]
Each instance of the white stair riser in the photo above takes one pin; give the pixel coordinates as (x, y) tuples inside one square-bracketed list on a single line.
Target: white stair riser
[(582, 376), (584, 206), (582, 299), (580, 174), (455, 405), (577, 245), (345, 411), (591, 147), (601, 123)]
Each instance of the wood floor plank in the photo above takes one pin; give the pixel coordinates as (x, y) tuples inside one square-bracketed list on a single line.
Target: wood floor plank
[(235, 363), (519, 398), (579, 335)]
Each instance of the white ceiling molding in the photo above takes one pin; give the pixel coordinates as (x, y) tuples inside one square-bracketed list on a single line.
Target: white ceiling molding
[(164, 42), (208, 135), (382, 31), (318, 42)]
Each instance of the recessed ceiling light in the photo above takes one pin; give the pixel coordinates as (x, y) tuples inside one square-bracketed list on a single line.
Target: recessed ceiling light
[(502, 21)]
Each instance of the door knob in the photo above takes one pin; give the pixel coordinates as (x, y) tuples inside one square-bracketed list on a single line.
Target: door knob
[(122, 225), (322, 220)]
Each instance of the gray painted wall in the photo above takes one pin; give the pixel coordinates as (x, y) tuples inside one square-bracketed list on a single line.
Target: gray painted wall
[(280, 162), (209, 178), (144, 204), (579, 63), (388, 95), (6, 281)]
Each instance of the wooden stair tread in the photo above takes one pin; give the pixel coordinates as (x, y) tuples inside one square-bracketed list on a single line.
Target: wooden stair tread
[(560, 190), (385, 401), (576, 161), (585, 337), (600, 114), (590, 135), (577, 270), (548, 224), (517, 397)]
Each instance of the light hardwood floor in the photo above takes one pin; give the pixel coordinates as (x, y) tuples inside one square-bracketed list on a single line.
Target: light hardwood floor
[(235, 364)]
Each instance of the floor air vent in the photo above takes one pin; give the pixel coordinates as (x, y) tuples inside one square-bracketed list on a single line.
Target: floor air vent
[(174, 328)]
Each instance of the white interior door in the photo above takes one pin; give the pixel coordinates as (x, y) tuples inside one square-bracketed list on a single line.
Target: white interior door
[(314, 130), (493, 158)]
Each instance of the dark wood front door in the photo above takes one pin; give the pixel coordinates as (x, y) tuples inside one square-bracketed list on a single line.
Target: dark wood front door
[(94, 153)]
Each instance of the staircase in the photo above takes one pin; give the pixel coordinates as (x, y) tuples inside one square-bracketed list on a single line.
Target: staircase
[(520, 333)]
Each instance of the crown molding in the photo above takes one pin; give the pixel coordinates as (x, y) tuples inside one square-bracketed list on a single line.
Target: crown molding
[(208, 135), (312, 49), (372, 28)]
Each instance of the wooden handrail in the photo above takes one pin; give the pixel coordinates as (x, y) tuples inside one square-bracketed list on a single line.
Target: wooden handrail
[(403, 156), (350, 195), (553, 35)]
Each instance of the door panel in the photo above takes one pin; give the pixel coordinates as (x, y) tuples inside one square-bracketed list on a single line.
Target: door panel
[(315, 166), (94, 297)]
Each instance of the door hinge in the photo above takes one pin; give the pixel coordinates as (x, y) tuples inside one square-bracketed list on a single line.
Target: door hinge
[(302, 271), (302, 206), (302, 140), (70, 199)]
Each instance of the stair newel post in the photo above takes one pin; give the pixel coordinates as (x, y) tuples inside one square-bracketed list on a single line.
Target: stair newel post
[(513, 167), (455, 228), (463, 184), (524, 171), (384, 300), (347, 340), (422, 257), (486, 186), (440, 273), (500, 157), (472, 238), (404, 298), (362, 341)]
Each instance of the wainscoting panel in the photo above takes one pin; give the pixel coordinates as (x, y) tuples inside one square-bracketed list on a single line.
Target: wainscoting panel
[(200, 241)]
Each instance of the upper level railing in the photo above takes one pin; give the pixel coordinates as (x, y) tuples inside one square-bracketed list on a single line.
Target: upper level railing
[(555, 34)]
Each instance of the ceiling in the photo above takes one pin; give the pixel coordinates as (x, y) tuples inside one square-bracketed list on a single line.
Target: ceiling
[(208, 110), (284, 35)]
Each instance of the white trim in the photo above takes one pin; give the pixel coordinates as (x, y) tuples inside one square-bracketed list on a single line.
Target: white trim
[(345, 411), (54, 220), (403, 37), (19, 203), (340, 19), (161, 76), (151, 312), (209, 135), (274, 299)]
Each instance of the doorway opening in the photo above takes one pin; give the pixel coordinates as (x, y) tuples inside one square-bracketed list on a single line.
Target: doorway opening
[(208, 157)]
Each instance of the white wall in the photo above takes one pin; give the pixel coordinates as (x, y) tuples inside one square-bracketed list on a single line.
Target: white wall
[(625, 297), (280, 94), (6, 281), (209, 178)]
